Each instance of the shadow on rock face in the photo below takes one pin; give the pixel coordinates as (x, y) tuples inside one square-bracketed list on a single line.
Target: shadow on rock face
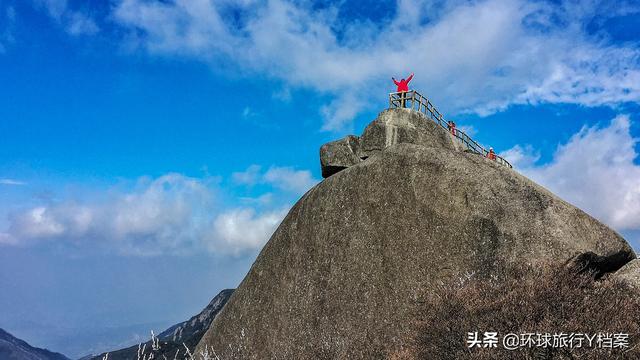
[(600, 265)]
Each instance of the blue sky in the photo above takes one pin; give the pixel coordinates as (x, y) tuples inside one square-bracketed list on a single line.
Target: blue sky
[(148, 149)]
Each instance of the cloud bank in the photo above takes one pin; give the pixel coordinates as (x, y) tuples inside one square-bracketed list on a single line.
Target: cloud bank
[(471, 56), (594, 170), (170, 214)]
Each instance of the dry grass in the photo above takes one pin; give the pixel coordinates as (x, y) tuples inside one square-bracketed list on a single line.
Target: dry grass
[(153, 352), (548, 300)]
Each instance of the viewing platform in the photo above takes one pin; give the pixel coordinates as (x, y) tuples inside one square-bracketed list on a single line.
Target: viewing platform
[(415, 101)]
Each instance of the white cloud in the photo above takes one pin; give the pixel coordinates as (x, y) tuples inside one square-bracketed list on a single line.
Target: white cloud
[(194, 27), (521, 157), (262, 200), (249, 113), (157, 216), (283, 178), (80, 24), (242, 229), (594, 170), (8, 17), (283, 94), (250, 177), (75, 22), (468, 129), (470, 56), (11, 182), (289, 179), (171, 214), (39, 222)]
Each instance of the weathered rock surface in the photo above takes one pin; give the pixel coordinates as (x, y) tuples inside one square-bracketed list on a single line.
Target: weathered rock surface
[(344, 273), (398, 126), (339, 155), (390, 127), (630, 273)]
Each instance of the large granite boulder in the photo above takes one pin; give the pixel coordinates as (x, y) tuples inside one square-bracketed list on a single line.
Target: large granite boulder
[(343, 275)]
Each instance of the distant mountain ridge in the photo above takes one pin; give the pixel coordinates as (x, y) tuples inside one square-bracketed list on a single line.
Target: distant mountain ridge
[(172, 339), (12, 348)]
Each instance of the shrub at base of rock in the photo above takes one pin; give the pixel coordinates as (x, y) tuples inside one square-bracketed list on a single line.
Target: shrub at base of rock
[(520, 300)]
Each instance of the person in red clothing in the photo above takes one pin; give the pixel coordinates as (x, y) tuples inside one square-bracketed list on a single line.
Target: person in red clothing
[(403, 87), (452, 127), (491, 155)]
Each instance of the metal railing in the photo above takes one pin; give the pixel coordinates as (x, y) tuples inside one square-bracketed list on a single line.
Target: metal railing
[(415, 101)]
